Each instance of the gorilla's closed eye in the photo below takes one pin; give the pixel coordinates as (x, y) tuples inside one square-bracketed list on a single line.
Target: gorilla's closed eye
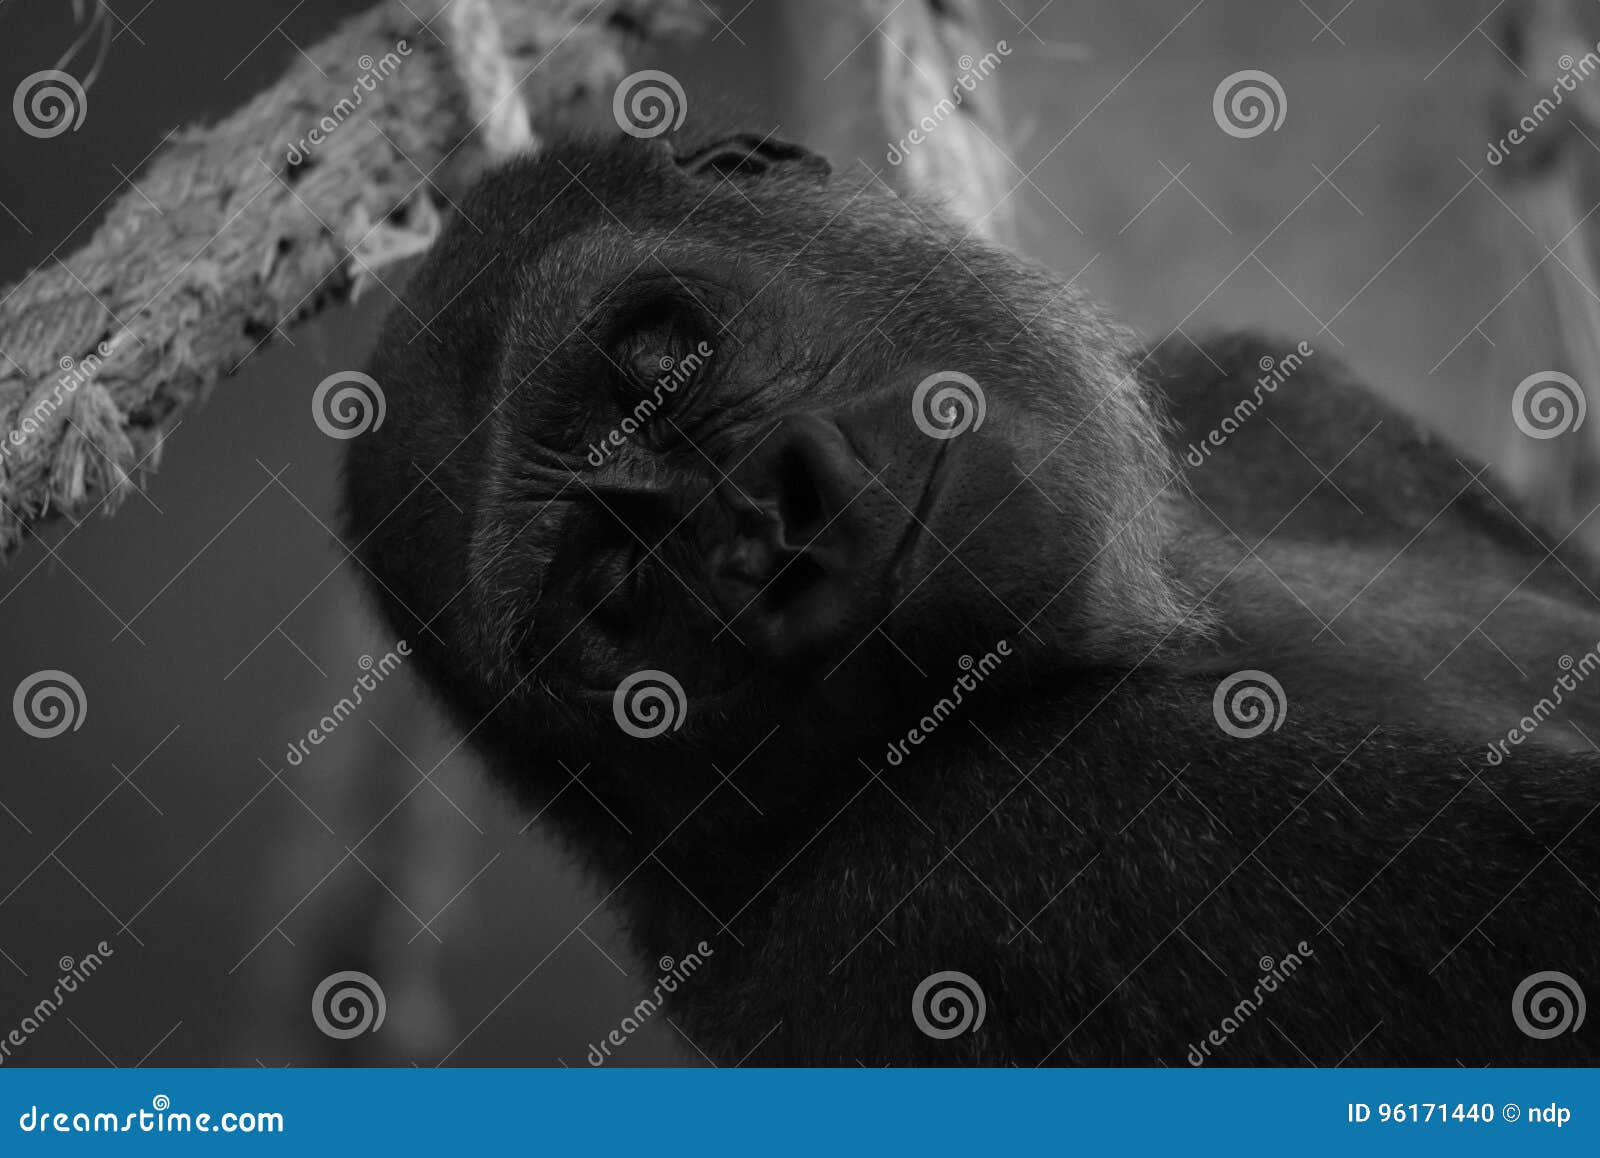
[(647, 355), (658, 349)]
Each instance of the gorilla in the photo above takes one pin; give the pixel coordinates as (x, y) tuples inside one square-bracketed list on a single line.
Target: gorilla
[(971, 684)]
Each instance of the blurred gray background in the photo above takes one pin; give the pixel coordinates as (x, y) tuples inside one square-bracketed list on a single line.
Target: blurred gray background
[(211, 623)]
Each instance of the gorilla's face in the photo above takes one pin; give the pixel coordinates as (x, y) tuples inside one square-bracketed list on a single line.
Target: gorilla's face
[(778, 434)]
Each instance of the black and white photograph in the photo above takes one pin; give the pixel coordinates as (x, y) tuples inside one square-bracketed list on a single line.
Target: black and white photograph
[(785, 535)]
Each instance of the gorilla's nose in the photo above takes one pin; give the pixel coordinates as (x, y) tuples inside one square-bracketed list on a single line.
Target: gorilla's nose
[(808, 537)]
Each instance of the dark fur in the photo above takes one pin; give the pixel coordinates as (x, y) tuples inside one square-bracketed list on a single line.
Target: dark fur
[(1082, 838)]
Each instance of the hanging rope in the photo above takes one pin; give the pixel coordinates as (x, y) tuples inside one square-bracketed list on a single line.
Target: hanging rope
[(937, 85), (236, 232)]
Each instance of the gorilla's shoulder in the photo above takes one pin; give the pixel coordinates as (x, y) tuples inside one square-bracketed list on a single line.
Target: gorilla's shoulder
[(1265, 414), (1304, 389), (1279, 428)]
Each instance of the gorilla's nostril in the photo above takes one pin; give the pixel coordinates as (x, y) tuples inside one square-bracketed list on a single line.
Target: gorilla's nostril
[(800, 504), (799, 575), (792, 566)]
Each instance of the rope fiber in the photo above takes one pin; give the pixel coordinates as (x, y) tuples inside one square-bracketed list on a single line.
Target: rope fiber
[(238, 231)]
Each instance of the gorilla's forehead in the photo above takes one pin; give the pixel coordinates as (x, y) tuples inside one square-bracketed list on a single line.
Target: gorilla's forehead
[(623, 186), (547, 249), (590, 210)]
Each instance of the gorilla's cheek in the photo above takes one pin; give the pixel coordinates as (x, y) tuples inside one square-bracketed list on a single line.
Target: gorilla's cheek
[(991, 550)]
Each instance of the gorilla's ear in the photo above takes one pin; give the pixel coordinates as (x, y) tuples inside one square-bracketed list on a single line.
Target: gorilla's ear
[(747, 155)]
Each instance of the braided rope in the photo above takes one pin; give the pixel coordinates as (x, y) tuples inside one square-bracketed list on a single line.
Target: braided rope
[(238, 231), (485, 73), (936, 70)]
